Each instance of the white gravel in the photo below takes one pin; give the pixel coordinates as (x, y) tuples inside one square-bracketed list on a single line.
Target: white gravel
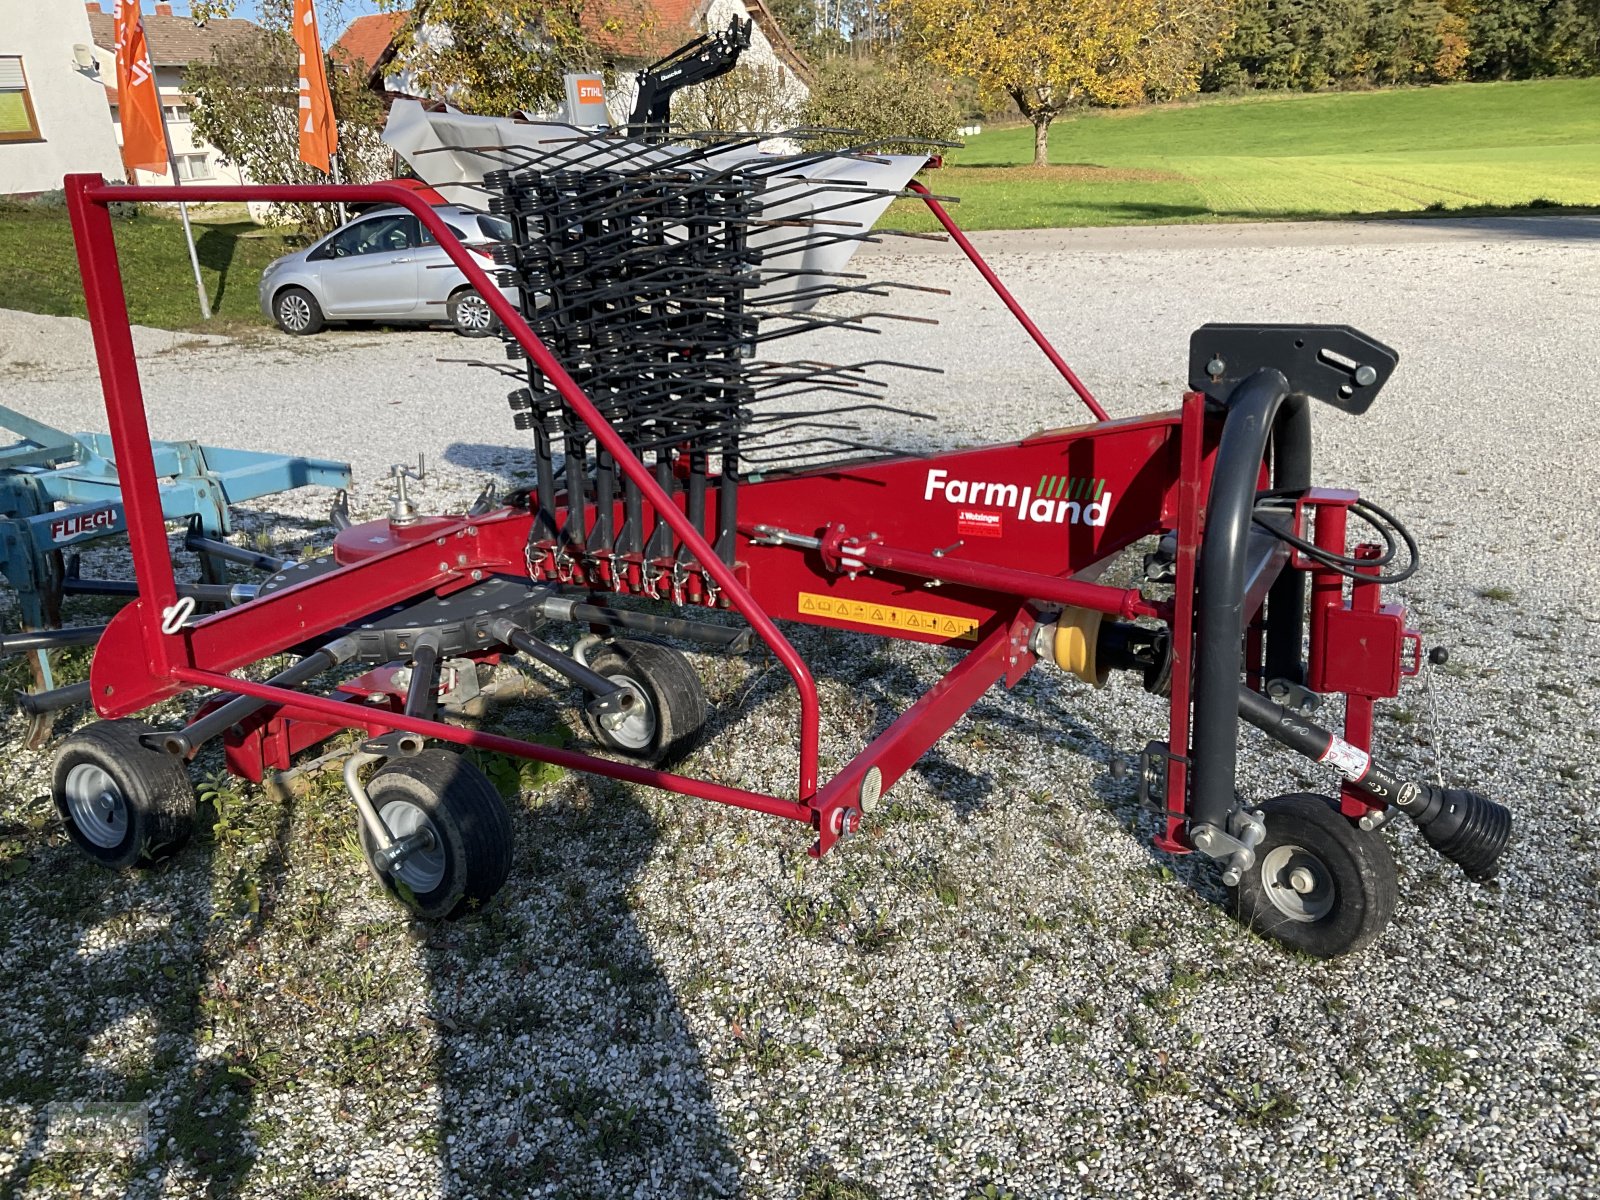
[(1001, 990)]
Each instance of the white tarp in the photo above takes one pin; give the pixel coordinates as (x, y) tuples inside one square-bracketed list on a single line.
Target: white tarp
[(453, 151)]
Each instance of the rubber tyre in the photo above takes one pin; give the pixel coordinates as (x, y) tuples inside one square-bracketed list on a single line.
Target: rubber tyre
[(153, 814), (1356, 865), (466, 310), (297, 312), (470, 823), (675, 703)]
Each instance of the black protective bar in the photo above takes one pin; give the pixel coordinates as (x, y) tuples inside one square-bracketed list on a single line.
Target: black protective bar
[(422, 693), (722, 637), (519, 639), (253, 559), (35, 703), (1286, 602), (49, 639), (1219, 600), (184, 742), (206, 593)]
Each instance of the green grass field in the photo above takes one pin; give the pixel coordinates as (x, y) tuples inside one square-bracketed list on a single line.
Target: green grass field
[(1467, 146), (39, 267)]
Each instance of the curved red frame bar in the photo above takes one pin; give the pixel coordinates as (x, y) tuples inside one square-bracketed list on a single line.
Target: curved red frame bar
[(87, 198)]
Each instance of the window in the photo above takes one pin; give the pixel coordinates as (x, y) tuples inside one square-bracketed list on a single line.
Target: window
[(17, 120), (377, 235), (497, 228), (177, 114), (192, 167)]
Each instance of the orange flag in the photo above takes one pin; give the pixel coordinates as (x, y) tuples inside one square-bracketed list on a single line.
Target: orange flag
[(319, 133), (144, 139)]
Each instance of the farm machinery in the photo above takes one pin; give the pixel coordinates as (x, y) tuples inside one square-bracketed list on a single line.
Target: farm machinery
[(60, 495), (686, 486)]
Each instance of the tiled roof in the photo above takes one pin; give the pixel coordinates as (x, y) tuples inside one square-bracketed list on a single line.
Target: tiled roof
[(367, 39), (629, 30), (175, 41)]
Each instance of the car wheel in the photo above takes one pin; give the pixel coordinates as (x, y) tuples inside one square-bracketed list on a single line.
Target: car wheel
[(297, 311), (470, 314)]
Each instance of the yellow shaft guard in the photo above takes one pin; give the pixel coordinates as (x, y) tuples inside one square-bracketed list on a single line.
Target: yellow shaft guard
[(1077, 634)]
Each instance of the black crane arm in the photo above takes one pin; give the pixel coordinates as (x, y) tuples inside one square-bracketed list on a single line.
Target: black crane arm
[(707, 57)]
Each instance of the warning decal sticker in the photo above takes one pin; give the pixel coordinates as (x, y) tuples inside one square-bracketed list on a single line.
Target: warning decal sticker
[(887, 616)]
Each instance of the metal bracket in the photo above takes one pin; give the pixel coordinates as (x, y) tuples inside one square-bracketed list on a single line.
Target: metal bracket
[(1336, 364), (1293, 696), (1233, 846)]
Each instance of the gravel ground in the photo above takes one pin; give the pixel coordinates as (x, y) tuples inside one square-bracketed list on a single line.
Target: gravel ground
[(1001, 990)]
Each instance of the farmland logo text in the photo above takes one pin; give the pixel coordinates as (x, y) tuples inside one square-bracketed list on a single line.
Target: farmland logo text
[(1055, 500)]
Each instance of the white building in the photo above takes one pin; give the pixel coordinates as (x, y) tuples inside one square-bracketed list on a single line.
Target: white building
[(175, 42), (53, 115)]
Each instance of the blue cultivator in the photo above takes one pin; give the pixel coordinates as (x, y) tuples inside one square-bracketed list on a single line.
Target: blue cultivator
[(59, 492)]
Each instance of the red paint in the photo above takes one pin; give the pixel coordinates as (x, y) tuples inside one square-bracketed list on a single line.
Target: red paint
[(993, 280), (976, 538)]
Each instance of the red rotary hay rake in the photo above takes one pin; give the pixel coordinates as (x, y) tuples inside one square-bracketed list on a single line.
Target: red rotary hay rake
[(666, 504)]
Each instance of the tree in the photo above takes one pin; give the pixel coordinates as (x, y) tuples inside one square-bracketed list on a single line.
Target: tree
[(504, 56), (1050, 56), (246, 105), (752, 96), (496, 56), (896, 106)]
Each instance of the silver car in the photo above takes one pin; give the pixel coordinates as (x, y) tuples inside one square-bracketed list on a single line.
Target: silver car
[(385, 266)]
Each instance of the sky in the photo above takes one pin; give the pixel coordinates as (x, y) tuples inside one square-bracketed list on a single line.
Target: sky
[(332, 15)]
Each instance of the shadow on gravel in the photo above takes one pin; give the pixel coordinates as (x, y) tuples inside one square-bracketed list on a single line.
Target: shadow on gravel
[(512, 464), (565, 1061), (119, 975)]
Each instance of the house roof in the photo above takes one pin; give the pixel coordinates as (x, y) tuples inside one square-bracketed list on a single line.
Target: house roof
[(175, 41), (639, 31), (365, 43)]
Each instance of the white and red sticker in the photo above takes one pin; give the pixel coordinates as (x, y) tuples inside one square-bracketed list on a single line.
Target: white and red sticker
[(978, 524), (66, 528), (1349, 759)]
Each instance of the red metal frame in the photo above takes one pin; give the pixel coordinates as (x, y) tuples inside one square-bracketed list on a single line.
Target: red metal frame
[(1069, 498), (959, 237)]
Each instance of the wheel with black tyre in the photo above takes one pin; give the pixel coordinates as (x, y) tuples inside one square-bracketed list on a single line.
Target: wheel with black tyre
[(123, 803), (467, 856), (470, 314), (297, 311), (1320, 884), (669, 709)]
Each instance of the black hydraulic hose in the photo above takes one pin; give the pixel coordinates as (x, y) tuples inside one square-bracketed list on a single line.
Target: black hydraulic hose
[(1219, 600)]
